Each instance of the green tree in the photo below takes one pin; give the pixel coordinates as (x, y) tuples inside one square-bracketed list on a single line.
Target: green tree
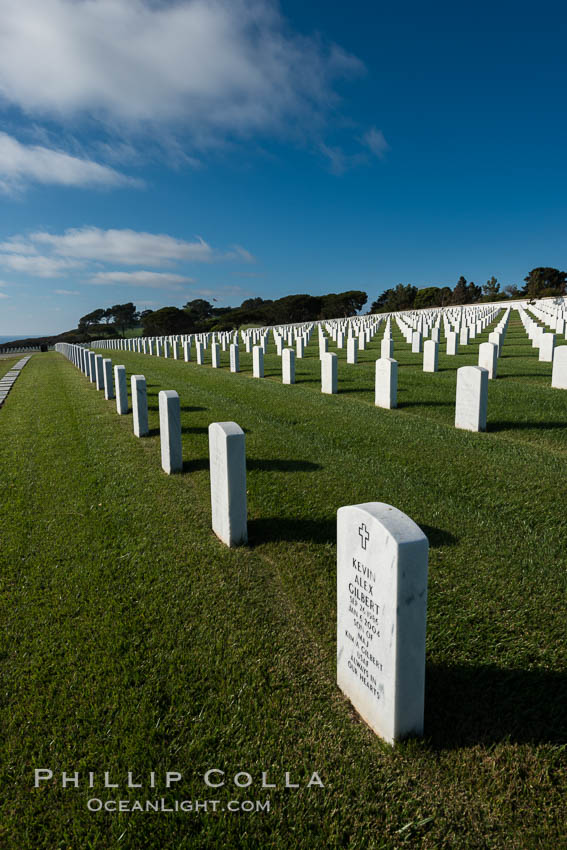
[(124, 316), (545, 281), (199, 310), (473, 293), (491, 289), (167, 320), (93, 318), (460, 291), (392, 300), (427, 297)]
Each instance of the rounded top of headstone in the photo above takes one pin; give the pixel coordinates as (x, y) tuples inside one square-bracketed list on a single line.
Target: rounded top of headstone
[(402, 528), (228, 428)]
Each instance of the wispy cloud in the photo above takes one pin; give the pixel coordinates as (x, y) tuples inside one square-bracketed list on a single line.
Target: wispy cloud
[(213, 69), (20, 164), (153, 280), (37, 266), (237, 252), (374, 140), (127, 247), (4, 295), (66, 292), (94, 253), (341, 161)]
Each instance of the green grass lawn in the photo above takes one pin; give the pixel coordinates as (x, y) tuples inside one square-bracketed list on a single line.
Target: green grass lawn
[(133, 640)]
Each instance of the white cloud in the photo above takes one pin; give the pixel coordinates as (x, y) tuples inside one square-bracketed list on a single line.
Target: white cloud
[(3, 295), (127, 247), (20, 163), (153, 280), (38, 266), (212, 67), (374, 140), (66, 292), (18, 245)]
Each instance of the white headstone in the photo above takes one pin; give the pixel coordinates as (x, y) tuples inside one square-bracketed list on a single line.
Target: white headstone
[(121, 389), (99, 372), (108, 382), (329, 373), (472, 398), (546, 346), (452, 343), (352, 350), (559, 371), (215, 355), (387, 347), (381, 617), (488, 358), (258, 361), (430, 355), (288, 366), (234, 358), (386, 388), (170, 431), (227, 458), (139, 405)]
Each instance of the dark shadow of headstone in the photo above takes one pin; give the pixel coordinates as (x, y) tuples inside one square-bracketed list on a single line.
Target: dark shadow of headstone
[(471, 705), (273, 529), (274, 465), (438, 537), (195, 465), (503, 425), (426, 404)]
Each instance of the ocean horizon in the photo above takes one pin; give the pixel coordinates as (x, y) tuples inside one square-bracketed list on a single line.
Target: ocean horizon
[(5, 339)]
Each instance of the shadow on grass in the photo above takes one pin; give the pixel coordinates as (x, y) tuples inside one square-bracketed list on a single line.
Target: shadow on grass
[(466, 706), (273, 529), (540, 375), (282, 465), (506, 425), (185, 408), (438, 537), (195, 465), (426, 404)]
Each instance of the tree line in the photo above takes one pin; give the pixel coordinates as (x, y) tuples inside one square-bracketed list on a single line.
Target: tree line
[(540, 282), (199, 315)]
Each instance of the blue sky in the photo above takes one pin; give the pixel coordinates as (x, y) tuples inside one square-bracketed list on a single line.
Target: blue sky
[(159, 151)]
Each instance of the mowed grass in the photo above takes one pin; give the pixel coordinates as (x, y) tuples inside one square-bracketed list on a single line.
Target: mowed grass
[(134, 640)]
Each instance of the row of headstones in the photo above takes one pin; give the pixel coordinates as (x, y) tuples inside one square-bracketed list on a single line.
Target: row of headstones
[(10, 378), (545, 342), (226, 439), (381, 565), (456, 330), (19, 349), (553, 315)]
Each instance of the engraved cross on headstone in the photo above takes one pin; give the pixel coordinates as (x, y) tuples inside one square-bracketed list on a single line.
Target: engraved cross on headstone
[(364, 535)]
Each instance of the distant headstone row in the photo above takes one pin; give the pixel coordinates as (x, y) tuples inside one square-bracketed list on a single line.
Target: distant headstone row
[(10, 378), (226, 439), (381, 563)]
